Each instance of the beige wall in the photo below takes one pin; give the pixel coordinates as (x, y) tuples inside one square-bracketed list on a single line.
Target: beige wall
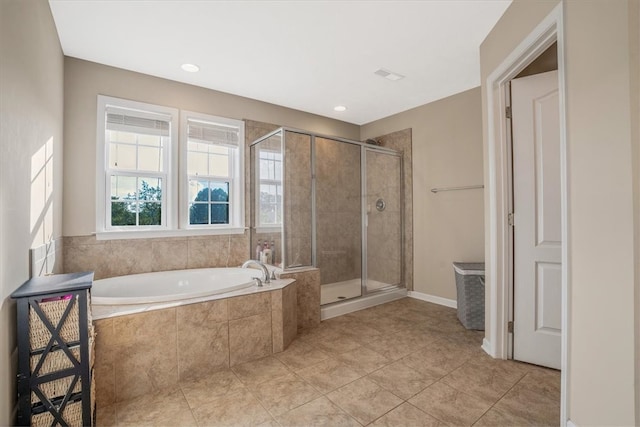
[(447, 152), (85, 80), (31, 105), (634, 77), (601, 364), (601, 259)]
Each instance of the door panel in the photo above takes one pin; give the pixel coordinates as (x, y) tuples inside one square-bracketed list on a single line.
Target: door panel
[(537, 212), (384, 220)]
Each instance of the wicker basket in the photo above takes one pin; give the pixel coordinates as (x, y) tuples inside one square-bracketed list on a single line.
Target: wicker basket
[(57, 361), (39, 335), (470, 290), (72, 414)]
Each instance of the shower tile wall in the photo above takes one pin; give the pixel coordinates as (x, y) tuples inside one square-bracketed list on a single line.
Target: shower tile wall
[(338, 204)]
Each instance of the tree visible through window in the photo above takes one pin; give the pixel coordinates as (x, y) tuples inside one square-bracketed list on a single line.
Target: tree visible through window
[(143, 208), (211, 205)]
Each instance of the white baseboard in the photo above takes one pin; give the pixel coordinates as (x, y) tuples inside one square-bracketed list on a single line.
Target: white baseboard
[(486, 346), (434, 299)]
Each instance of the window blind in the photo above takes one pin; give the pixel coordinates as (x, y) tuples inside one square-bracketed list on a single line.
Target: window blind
[(132, 121), (211, 133)]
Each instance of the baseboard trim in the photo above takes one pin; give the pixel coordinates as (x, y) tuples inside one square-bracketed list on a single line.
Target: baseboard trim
[(434, 299), (486, 346)]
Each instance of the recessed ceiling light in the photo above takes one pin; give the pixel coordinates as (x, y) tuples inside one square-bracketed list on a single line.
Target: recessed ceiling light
[(191, 68), (340, 108), (389, 75)]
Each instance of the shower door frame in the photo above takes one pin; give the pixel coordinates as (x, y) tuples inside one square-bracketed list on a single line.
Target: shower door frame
[(365, 217), (364, 148)]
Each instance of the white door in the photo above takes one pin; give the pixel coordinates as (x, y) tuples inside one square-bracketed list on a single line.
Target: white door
[(537, 226)]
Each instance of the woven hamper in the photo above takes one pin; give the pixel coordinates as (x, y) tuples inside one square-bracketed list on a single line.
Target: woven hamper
[(470, 289)]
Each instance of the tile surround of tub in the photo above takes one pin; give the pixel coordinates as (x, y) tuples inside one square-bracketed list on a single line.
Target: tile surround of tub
[(147, 352), (308, 296)]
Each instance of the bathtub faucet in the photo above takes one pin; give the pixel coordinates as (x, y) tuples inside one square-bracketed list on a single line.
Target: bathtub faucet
[(264, 268)]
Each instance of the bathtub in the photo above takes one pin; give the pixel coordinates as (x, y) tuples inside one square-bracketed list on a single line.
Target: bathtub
[(136, 293), (156, 329)]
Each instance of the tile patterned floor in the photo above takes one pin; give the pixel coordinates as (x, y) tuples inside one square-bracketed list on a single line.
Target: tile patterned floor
[(404, 363)]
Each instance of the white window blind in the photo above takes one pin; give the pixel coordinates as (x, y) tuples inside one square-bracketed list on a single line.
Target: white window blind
[(137, 122), (212, 133)]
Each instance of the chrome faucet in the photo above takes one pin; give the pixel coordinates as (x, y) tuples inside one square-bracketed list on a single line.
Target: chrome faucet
[(264, 268)]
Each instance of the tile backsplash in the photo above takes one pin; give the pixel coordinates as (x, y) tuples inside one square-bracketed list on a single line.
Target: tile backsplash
[(47, 259)]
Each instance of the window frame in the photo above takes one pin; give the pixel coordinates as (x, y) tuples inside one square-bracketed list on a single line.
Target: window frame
[(175, 203), (236, 175)]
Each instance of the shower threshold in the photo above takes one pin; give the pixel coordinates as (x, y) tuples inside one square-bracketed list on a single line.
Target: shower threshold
[(384, 294), (347, 289)]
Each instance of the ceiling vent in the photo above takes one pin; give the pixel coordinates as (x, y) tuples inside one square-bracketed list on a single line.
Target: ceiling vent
[(389, 75)]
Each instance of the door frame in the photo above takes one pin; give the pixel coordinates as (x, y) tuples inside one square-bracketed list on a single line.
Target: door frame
[(499, 269)]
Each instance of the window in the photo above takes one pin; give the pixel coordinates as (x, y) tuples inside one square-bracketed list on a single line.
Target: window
[(270, 194), (213, 153), (141, 187)]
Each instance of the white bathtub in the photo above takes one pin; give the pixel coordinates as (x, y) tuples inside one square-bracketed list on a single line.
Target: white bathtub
[(152, 291)]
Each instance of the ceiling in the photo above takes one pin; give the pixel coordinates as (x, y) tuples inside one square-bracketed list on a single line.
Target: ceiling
[(307, 55)]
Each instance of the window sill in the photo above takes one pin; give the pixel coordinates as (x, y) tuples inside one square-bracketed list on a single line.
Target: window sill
[(152, 234), (269, 229)]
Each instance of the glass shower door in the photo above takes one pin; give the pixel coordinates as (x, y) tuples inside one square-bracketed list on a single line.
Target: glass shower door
[(338, 219), (384, 220)]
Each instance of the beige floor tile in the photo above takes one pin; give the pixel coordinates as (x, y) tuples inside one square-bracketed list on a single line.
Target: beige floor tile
[(301, 355), (450, 405), (536, 398), (319, 412), (391, 325), (363, 360), (364, 400), (239, 408), (156, 409), (486, 384), (437, 360), (285, 393), (329, 375), (406, 415), (402, 380), (394, 346), (422, 337), (106, 415), (322, 332), (204, 390), (544, 381), (259, 371), (270, 423), (336, 345), (498, 418), (507, 368)]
